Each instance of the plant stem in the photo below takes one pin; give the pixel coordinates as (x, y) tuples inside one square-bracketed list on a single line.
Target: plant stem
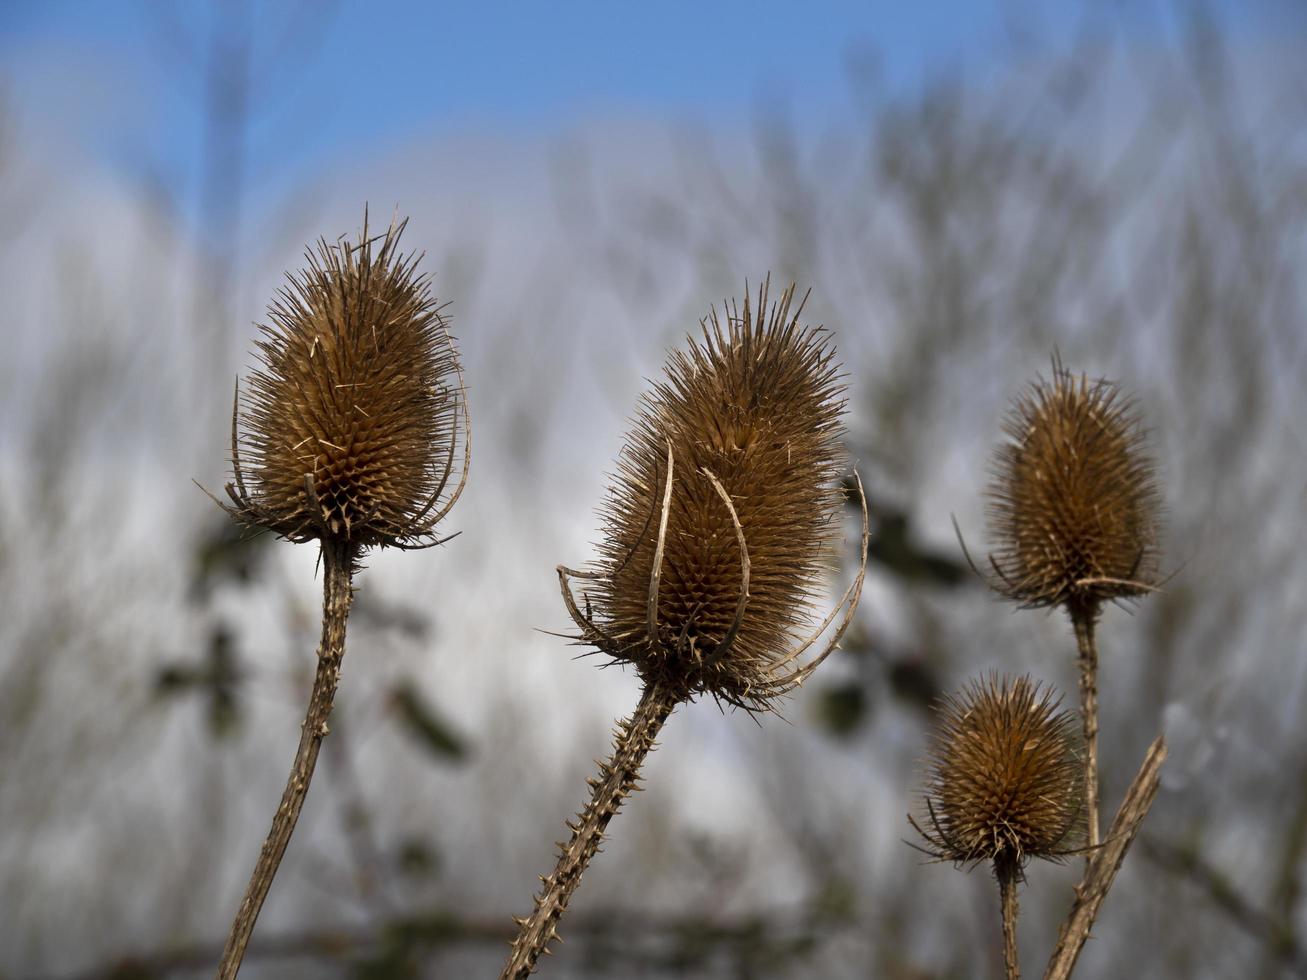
[(1105, 863), (1084, 619), (338, 569), (632, 741), (1007, 872)]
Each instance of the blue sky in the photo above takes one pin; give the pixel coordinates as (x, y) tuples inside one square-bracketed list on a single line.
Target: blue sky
[(374, 71), (336, 82)]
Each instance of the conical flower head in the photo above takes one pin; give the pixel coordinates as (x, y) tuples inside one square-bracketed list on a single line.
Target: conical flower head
[(1006, 781), (721, 519), (1074, 506), (351, 421)]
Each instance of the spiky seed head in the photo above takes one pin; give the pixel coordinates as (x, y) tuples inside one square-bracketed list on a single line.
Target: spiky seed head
[(757, 403), (351, 420), (1073, 503), (1006, 778)]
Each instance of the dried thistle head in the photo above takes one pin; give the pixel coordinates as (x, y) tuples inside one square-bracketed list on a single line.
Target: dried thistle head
[(724, 513), (352, 420), (1073, 505), (1006, 781)]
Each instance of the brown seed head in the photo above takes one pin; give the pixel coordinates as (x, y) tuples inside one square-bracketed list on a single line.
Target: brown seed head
[(1073, 504), (705, 580), (1007, 776), (351, 421)]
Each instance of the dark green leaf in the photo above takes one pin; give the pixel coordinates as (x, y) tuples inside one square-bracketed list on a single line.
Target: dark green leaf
[(417, 857), (226, 552), (421, 720), (842, 709)]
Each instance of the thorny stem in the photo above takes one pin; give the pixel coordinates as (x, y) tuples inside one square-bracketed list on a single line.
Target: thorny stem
[(632, 741), (338, 567), (1105, 863), (1084, 619), (1008, 874)]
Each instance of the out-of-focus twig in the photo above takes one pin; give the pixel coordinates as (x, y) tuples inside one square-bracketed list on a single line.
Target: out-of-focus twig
[(370, 871), (785, 929), (1286, 893), (1283, 948)]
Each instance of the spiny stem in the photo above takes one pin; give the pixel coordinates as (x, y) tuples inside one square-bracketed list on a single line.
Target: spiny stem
[(338, 568), (633, 740), (1008, 875), (1084, 619)]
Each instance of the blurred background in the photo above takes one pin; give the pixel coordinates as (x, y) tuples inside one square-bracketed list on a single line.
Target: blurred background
[(967, 187)]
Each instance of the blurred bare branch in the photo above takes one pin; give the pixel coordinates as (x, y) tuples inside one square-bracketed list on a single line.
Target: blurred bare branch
[(634, 937)]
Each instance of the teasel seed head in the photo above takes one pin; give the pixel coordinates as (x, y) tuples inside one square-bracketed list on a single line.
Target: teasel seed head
[(724, 513), (1073, 504), (353, 419), (1006, 778)]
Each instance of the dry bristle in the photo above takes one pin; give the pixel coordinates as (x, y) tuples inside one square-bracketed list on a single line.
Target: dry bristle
[(1007, 776), (1073, 504), (352, 419), (758, 404)]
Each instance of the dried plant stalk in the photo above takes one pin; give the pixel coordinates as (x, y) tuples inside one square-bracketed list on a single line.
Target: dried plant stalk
[(1009, 878), (351, 428), (1005, 786), (1074, 513), (1106, 862), (617, 778), (1083, 622), (721, 519), (337, 594)]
